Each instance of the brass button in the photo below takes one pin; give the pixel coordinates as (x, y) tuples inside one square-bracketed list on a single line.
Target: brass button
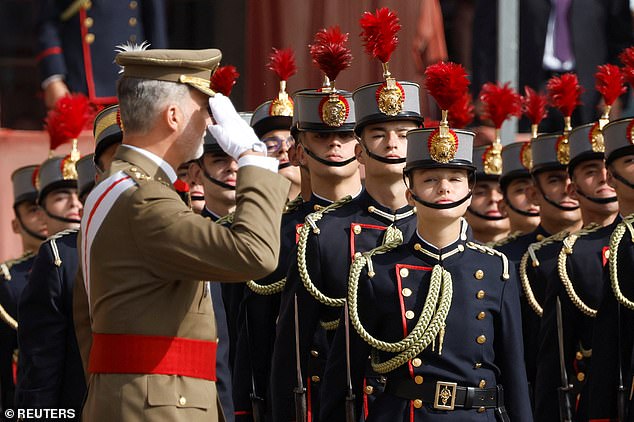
[(482, 384), (89, 22), (478, 365), (479, 275), (368, 390), (606, 254), (482, 315), (406, 292), (481, 339), (418, 247), (409, 314), (90, 38), (481, 409), (314, 353), (133, 169), (480, 294), (578, 355), (133, 4), (316, 207), (418, 379), (461, 248), (416, 362), (87, 5), (418, 403), (539, 237), (581, 376), (404, 272), (182, 401), (132, 21), (315, 378), (356, 229), (371, 208)]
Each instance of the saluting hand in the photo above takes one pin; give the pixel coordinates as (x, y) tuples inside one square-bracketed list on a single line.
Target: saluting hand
[(232, 133)]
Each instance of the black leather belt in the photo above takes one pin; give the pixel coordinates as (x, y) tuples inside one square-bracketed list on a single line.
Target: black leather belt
[(446, 395)]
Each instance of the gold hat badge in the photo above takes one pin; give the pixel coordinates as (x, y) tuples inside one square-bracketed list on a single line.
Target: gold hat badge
[(331, 54), (380, 39), (282, 62)]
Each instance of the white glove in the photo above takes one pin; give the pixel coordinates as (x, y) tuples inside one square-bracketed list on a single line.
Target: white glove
[(232, 133)]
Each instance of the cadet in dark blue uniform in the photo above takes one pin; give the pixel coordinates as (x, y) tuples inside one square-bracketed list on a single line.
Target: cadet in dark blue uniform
[(438, 313), (77, 39), (559, 216), (610, 379), (50, 371), (326, 148), (29, 224), (575, 280), (318, 274), (483, 215), (514, 181)]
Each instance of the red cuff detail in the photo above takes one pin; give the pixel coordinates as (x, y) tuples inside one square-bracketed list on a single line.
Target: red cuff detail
[(48, 52)]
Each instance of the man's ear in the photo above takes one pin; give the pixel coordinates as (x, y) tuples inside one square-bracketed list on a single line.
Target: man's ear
[(611, 181), (172, 115), (359, 152), (502, 207), (15, 226), (301, 155)]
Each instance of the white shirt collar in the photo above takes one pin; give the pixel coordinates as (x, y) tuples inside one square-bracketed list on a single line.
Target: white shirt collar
[(169, 171)]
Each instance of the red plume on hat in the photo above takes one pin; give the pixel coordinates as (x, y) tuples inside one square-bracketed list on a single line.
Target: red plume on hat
[(379, 33), (446, 82), (564, 92), (223, 79), (282, 62), (627, 58), (534, 107), (72, 113), (330, 52), (461, 112), (500, 102), (610, 84)]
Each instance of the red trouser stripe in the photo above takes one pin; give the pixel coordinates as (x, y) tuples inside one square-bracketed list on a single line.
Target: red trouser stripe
[(137, 354)]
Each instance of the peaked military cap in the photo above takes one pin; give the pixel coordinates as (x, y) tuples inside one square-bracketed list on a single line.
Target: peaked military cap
[(321, 111), (56, 173), (369, 108), (516, 162), (544, 150), (86, 174), (427, 149), (488, 166), (107, 130), (618, 137), (24, 189), (190, 67), (586, 143)]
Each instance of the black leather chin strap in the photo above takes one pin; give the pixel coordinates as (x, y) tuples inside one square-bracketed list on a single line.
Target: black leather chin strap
[(553, 203), (212, 180), (519, 211), (330, 163), (484, 217)]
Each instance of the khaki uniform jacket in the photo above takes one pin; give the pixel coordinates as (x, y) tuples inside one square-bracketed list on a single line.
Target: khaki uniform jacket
[(147, 261)]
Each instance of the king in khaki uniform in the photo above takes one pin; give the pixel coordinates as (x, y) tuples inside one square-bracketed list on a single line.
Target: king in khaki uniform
[(14, 273), (153, 330), (437, 312), (331, 237), (574, 289), (610, 379)]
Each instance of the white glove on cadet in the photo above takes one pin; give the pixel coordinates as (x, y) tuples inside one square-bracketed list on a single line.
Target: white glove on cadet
[(232, 133)]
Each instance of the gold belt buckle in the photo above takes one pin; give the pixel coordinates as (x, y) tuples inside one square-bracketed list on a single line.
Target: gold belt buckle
[(445, 397)]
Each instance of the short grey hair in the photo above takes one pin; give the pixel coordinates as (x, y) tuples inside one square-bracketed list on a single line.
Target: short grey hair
[(141, 101)]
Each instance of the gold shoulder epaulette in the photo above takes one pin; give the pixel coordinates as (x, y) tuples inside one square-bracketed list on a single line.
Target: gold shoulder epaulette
[(615, 240), (226, 219), (526, 285), (567, 249), (293, 204), (490, 251), (508, 239), (5, 267), (57, 260)]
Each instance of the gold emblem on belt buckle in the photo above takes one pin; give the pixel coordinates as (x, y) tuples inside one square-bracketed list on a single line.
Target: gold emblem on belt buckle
[(445, 397)]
